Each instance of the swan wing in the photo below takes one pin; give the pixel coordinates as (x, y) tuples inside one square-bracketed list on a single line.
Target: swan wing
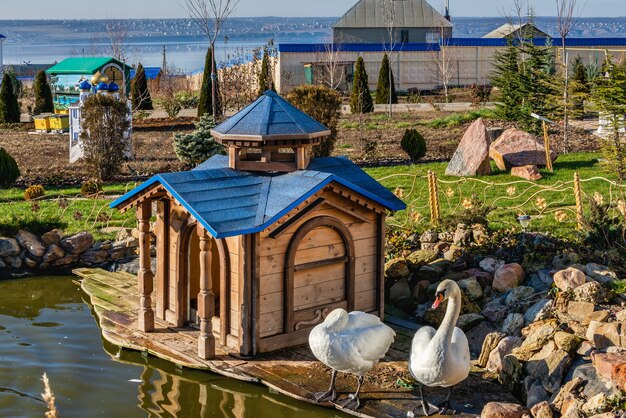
[(422, 339), (368, 335), (460, 346)]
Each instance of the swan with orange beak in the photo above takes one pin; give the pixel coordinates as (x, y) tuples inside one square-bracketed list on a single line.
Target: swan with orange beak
[(441, 358)]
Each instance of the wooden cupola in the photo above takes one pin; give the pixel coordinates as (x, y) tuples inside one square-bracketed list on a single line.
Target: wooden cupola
[(270, 135)]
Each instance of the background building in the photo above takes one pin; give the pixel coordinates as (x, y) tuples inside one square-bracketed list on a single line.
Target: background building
[(413, 21), (2, 38)]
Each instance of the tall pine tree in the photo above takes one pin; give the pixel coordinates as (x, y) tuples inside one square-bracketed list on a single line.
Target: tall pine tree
[(386, 85), (205, 104), (9, 107), (43, 94), (361, 99), (266, 81), (506, 78), (139, 90), (608, 96)]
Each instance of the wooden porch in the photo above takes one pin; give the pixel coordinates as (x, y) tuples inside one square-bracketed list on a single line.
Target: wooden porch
[(293, 372)]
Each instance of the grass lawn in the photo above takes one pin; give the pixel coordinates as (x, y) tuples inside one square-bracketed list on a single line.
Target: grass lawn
[(509, 195), (63, 207)]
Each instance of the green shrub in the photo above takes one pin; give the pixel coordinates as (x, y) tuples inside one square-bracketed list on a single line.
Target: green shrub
[(205, 101), (105, 122), (187, 99), (43, 94), (140, 95), (172, 106), (361, 99), (324, 105), (9, 107), (34, 192), (480, 93), (90, 188), (413, 144), (386, 85), (413, 95), (198, 146), (9, 172)]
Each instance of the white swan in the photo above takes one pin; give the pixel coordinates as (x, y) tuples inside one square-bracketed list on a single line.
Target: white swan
[(350, 343), (441, 358)]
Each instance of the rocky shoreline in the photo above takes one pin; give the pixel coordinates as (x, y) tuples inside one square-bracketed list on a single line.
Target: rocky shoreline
[(553, 335), (53, 253)]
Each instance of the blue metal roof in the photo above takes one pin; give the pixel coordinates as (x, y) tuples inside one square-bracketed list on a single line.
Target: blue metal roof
[(229, 202), (270, 115), (151, 72), (460, 42)]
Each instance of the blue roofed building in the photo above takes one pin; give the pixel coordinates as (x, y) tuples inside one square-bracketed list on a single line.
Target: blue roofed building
[(152, 73), (256, 247)]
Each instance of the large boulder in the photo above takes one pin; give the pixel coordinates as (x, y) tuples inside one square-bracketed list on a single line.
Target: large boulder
[(517, 148), (31, 242), (504, 347), (508, 277), (396, 269), (600, 273), (78, 243), (9, 247), (471, 157)]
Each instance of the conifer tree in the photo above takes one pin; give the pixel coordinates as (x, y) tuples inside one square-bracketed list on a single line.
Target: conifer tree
[(43, 95), (386, 85), (579, 86), (609, 99), (205, 103), (9, 107), (506, 78), (139, 90), (266, 81), (361, 99), (538, 86)]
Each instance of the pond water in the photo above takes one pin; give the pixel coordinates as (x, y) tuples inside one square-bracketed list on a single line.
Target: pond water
[(47, 326)]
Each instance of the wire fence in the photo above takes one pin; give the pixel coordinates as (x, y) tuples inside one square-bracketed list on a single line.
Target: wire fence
[(430, 200)]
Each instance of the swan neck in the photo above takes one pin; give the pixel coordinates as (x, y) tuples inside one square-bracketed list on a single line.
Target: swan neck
[(452, 315)]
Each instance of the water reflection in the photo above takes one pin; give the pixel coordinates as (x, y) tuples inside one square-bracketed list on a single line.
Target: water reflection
[(166, 390), (45, 326)]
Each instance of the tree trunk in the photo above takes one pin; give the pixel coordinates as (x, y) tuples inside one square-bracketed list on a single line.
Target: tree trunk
[(213, 84)]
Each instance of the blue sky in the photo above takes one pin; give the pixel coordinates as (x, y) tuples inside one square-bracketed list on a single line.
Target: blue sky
[(37, 9)]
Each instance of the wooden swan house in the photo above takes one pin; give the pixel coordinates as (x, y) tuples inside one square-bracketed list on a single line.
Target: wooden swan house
[(255, 248)]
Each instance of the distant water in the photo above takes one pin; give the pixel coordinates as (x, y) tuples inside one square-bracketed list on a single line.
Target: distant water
[(49, 41)]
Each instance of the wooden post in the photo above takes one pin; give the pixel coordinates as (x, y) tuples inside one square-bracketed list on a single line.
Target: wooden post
[(145, 277), (578, 194), (546, 140), (206, 298), (433, 198)]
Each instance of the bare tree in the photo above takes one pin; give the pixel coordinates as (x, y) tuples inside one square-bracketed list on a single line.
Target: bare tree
[(210, 16), (116, 35), (443, 63), (566, 21), (333, 71), (389, 15)]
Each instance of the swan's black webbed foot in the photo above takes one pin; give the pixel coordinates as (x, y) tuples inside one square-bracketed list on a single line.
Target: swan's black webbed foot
[(352, 402), (445, 407), (328, 396), (331, 394), (423, 403)]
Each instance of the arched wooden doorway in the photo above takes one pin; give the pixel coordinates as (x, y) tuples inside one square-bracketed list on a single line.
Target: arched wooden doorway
[(319, 273)]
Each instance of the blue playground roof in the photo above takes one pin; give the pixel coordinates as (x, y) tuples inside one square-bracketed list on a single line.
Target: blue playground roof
[(229, 202), (270, 116), (151, 72)]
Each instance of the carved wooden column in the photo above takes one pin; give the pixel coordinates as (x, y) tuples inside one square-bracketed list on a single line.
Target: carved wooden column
[(206, 298), (145, 276)]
